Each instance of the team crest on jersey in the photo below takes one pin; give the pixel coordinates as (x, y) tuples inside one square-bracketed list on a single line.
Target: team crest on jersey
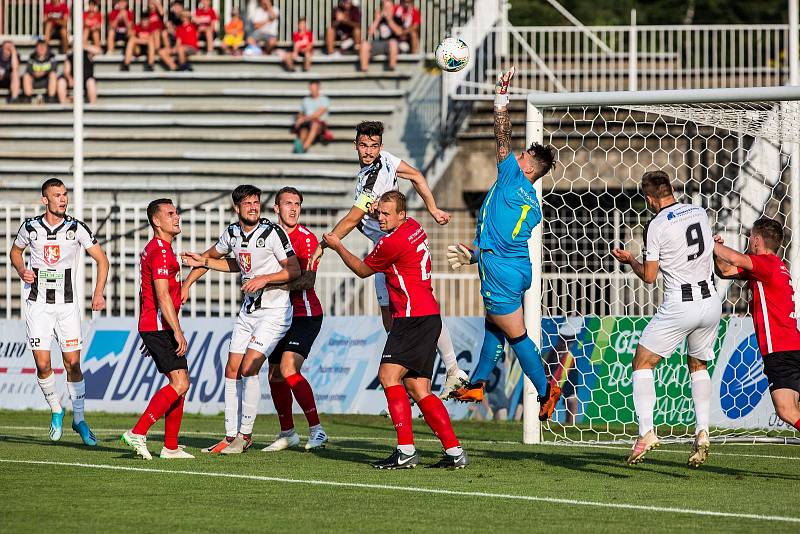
[(260, 242), (34, 235), (70, 235), (52, 253), (245, 261)]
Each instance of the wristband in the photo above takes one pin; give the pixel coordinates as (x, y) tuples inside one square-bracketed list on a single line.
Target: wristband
[(500, 100), (205, 263)]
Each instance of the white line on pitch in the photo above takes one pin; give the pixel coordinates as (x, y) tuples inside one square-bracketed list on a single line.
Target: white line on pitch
[(434, 440), (502, 496)]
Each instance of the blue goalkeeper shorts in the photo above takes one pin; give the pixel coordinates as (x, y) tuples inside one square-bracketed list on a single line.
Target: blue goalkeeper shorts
[(503, 282)]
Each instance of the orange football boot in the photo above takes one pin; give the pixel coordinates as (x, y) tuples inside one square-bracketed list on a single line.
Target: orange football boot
[(547, 405), (469, 393)]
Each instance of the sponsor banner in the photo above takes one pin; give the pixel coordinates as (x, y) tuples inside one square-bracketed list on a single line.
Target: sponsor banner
[(588, 356)]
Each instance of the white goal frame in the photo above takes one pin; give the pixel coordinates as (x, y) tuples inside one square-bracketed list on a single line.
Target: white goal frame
[(534, 132)]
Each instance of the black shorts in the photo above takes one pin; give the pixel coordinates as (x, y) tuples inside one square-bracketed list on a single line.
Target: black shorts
[(299, 338), (782, 369), (412, 343), (5, 82), (41, 83), (161, 346)]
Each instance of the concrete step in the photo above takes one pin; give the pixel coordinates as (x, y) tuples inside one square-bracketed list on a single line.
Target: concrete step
[(322, 64), (333, 167), (221, 81), (236, 97), (125, 112)]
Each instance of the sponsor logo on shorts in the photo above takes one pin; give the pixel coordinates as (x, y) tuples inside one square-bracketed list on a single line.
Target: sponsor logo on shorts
[(743, 382), (255, 341), (52, 253), (71, 342), (386, 356), (246, 261), (294, 343)]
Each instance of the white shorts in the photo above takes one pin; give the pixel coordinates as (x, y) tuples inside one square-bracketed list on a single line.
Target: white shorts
[(43, 322), (696, 321), (260, 330)]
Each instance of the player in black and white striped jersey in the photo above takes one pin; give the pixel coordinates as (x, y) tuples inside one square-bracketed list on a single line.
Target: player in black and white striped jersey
[(52, 309), (679, 244)]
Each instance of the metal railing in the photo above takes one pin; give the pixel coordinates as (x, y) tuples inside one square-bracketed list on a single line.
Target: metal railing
[(123, 232), (607, 58), (24, 18)]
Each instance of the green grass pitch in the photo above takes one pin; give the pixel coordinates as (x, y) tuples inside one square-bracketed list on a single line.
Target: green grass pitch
[(509, 487)]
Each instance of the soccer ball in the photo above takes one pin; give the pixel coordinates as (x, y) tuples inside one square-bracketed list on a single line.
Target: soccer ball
[(452, 54)]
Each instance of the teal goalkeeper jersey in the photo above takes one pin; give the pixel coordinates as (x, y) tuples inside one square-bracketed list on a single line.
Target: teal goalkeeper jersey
[(509, 213)]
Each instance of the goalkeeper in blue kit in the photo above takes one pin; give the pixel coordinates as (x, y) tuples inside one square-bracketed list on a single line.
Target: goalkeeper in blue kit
[(506, 219)]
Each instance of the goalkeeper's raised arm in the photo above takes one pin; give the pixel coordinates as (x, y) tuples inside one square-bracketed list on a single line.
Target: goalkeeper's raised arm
[(502, 119)]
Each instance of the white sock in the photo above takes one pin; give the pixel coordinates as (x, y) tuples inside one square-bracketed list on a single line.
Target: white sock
[(232, 387), (251, 395), (48, 386), (644, 399), (701, 395), (77, 392), (407, 449), (445, 345), (454, 451)]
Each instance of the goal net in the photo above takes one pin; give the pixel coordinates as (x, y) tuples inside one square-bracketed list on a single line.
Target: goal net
[(734, 158)]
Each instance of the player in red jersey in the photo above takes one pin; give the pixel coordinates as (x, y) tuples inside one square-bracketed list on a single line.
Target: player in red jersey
[(408, 357), (287, 358), (161, 333), (773, 311)]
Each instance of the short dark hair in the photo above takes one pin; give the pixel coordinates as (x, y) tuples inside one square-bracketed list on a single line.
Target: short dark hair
[(315, 81), (95, 2), (290, 190), (301, 18), (51, 182), (153, 208), (40, 41), (397, 197), (545, 156), (771, 232), (656, 184), (370, 129), (244, 191)]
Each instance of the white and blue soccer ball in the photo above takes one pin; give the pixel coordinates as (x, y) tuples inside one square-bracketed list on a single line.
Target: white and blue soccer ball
[(452, 54)]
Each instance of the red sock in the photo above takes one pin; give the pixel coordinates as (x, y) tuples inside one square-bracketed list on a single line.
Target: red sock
[(400, 411), (172, 424), (305, 397), (159, 404), (439, 420), (282, 398), (797, 424)]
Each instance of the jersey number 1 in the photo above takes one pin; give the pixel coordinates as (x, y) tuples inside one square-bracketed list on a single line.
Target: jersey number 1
[(694, 236)]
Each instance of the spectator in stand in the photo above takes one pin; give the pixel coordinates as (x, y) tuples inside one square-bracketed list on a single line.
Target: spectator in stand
[(384, 33), (265, 25), (186, 44), (345, 28), (155, 11), (67, 82), (92, 21), (56, 19), (234, 34), (9, 70), (176, 10), (143, 36), (120, 25), (206, 20), (408, 18), (312, 119), (302, 45), (252, 48), (41, 72)]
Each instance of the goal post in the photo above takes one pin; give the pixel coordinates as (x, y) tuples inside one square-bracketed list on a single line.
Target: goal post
[(732, 151)]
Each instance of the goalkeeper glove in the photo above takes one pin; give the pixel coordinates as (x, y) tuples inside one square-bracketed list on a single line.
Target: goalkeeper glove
[(501, 88), (460, 255)]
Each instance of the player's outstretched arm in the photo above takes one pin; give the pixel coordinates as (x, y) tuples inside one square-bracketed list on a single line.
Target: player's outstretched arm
[(197, 272), (198, 261), (306, 280), (18, 261), (353, 262), (727, 261), (647, 271), (417, 179), (460, 255), (342, 228), (97, 253), (502, 119)]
